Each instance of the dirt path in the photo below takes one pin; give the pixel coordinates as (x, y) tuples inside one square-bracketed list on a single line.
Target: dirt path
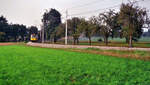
[(83, 46), (3, 44)]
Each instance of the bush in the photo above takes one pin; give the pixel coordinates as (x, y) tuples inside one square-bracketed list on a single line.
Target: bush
[(2, 36), (100, 40)]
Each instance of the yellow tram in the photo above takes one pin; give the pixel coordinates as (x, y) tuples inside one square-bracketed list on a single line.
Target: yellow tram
[(34, 37)]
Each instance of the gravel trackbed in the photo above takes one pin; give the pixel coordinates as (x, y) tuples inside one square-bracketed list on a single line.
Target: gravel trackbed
[(84, 46)]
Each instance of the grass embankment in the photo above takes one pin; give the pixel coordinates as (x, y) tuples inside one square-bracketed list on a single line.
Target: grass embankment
[(22, 65), (134, 54), (112, 44), (119, 44)]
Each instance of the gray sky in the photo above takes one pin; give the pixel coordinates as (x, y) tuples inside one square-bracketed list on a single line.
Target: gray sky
[(29, 12)]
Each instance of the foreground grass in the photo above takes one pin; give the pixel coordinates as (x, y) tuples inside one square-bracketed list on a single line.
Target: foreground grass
[(21, 65)]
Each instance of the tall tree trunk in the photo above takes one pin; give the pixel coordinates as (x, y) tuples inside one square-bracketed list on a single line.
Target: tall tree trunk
[(130, 42), (22, 38), (90, 41), (45, 36), (78, 41), (74, 41), (106, 41), (15, 38), (127, 40), (55, 40)]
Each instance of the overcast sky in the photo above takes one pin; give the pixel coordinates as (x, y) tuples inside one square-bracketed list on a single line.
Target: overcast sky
[(29, 12)]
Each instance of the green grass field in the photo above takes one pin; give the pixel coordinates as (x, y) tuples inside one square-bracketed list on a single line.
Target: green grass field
[(95, 39), (22, 65), (144, 42)]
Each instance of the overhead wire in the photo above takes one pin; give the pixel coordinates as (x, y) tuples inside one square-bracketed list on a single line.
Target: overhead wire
[(84, 5), (92, 11)]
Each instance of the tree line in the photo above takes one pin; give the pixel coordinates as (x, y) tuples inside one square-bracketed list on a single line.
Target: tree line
[(127, 23), (15, 32)]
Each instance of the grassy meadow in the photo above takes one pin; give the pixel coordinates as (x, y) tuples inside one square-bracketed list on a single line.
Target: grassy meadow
[(143, 42), (24, 65)]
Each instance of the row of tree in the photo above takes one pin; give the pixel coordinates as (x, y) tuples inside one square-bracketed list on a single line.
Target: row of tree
[(15, 32), (128, 23)]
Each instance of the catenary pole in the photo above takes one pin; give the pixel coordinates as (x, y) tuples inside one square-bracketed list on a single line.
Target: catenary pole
[(42, 34), (66, 36)]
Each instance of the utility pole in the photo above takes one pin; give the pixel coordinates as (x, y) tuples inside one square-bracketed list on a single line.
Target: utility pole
[(66, 34), (42, 33)]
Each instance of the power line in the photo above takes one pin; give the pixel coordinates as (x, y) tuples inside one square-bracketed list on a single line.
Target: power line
[(83, 13), (94, 2), (84, 5)]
